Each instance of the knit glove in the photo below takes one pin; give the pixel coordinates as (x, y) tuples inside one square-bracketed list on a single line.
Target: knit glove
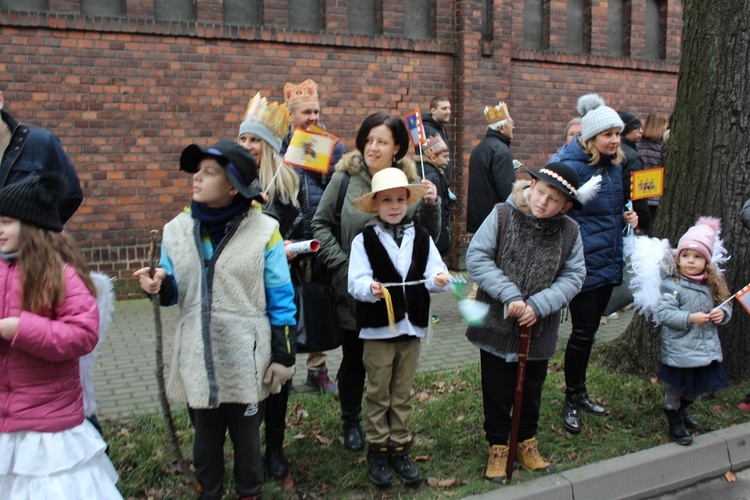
[(277, 375)]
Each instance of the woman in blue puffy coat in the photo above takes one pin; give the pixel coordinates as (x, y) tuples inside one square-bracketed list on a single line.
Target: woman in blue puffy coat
[(595, 151)]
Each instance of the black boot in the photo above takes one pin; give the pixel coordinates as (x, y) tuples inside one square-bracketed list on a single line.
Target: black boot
[(677, 430), (398, 457), (571, 414), (377, 465), (275, 461), (590, 406), (353, 438), (691, 423)]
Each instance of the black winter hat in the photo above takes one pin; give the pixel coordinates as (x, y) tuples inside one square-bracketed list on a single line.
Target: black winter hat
[(631, 122), (241, 168), (562, 177), (35, 201)]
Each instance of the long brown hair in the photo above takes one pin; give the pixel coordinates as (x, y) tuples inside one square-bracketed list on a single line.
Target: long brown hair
[(715, 281), (42, 256), (656, 125)]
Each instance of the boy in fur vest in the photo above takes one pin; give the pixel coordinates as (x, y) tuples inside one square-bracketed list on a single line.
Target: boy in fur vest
[(392, 268), (223, 262), (527, 259)]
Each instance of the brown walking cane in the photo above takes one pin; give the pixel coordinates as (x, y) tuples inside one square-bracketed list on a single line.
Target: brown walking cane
[(174, 442), (523, 353)]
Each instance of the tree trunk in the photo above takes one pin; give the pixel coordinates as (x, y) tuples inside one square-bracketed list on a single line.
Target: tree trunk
[(708, 168)]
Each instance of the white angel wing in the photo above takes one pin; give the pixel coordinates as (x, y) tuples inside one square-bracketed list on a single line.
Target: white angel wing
[(650, 259)]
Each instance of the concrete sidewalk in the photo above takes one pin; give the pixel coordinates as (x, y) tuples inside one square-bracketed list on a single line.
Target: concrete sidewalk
[(125, 374)]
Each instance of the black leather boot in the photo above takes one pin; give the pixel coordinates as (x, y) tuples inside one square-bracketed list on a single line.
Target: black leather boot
[(677, 430), (354, 439), (589, 405), (377, 465), (691, 423), (571, 414), (275, 461), (398, 458)]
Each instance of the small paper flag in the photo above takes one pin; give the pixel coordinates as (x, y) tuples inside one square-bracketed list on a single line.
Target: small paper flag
[(743, 297), (311, 149), (416, 129), (647, 183)]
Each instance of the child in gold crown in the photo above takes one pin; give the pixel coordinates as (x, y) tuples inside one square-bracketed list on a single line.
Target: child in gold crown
[(392, 268), (436, 157)]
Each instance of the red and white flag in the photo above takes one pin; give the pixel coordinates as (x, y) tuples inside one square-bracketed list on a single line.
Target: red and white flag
[(416, 129)]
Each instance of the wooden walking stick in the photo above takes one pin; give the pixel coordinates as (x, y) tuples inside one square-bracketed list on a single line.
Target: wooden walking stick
[(523, 353), (174, 442)]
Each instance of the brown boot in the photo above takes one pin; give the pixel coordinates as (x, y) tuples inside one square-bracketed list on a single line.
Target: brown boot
[(496, 464), (528, 456)]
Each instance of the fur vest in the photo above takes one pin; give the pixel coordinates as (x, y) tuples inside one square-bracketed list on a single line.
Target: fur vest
[(416, 299), (222, 345)]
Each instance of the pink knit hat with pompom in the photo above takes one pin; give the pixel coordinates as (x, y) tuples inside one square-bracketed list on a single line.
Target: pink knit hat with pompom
[(701, 237)]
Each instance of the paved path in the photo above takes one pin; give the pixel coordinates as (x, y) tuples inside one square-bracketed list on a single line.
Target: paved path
[(125, 373)]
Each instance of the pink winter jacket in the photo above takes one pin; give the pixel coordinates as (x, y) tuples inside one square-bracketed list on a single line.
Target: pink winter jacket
[(40, 387)]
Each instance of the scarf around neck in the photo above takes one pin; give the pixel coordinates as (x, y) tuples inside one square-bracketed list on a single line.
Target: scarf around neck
[(215, 221)]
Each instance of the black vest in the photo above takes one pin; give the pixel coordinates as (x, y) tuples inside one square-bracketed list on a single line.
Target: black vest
[(416, 300)]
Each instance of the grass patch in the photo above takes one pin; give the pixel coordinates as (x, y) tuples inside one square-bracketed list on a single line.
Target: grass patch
[(450, 445)]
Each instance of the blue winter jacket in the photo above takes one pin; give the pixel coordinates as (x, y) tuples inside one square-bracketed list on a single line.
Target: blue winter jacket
[(34, 151), (600, 219)]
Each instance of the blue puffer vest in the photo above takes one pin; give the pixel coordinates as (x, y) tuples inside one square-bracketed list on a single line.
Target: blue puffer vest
[(600, 219)]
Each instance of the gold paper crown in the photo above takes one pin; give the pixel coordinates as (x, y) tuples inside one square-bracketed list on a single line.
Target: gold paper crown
[(435, 145), (274, 116), (496, 114), (306, 91)]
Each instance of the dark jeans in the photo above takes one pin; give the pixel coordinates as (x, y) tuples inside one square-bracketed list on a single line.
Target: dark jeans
[(351, 376), (586, 310), (208, 449), (498, 393)]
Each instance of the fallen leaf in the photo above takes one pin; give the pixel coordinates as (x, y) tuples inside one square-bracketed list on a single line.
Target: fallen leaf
[(423, 396), (432, 481), (572, 455), (421, 458), (299, 436), (361, 460), (124, 432), (654, 381), (730, 476), (447, 483), (287, 484), (322, 439), (460, 418)]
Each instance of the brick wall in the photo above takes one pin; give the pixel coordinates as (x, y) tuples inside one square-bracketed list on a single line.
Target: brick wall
[(126, 95)]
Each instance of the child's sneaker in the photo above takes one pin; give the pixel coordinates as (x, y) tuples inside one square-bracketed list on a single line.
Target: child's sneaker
[(319, 380), (528, 456), (496, 464)]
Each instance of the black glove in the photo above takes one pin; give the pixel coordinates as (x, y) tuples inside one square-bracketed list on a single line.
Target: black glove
[(283, 344)]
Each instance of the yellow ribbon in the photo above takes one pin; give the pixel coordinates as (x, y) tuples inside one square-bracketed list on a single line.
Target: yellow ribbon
[(389, 308)]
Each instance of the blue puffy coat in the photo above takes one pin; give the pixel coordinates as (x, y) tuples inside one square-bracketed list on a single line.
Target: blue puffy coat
[(600, 219)]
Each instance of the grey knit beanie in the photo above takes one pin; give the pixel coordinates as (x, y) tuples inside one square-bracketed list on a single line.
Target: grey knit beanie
[(255, 128), (596, 117)]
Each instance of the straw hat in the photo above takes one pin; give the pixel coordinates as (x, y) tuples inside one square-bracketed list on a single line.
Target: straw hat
[(389, 178)]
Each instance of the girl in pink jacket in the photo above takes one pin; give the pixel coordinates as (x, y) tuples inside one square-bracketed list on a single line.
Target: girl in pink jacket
[(48, 320)]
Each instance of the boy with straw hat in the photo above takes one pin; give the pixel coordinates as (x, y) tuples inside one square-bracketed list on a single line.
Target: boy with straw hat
[(392, 268)]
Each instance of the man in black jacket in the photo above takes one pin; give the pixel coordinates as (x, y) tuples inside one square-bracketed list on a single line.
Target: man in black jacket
[(434, 123), (633, 162), (491, 173)]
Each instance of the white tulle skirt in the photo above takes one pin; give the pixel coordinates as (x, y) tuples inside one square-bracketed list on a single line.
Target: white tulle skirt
[(67, 465)]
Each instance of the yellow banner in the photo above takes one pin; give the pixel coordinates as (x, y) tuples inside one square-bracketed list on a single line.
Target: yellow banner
[(310, 150), (647, 183)]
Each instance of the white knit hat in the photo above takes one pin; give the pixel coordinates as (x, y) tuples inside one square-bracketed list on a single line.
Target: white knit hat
[(596, 117)]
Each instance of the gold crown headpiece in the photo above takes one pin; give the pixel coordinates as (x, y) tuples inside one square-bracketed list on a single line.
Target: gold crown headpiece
[(496, 114), (435, 145), (306, 91), (273, 116)]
